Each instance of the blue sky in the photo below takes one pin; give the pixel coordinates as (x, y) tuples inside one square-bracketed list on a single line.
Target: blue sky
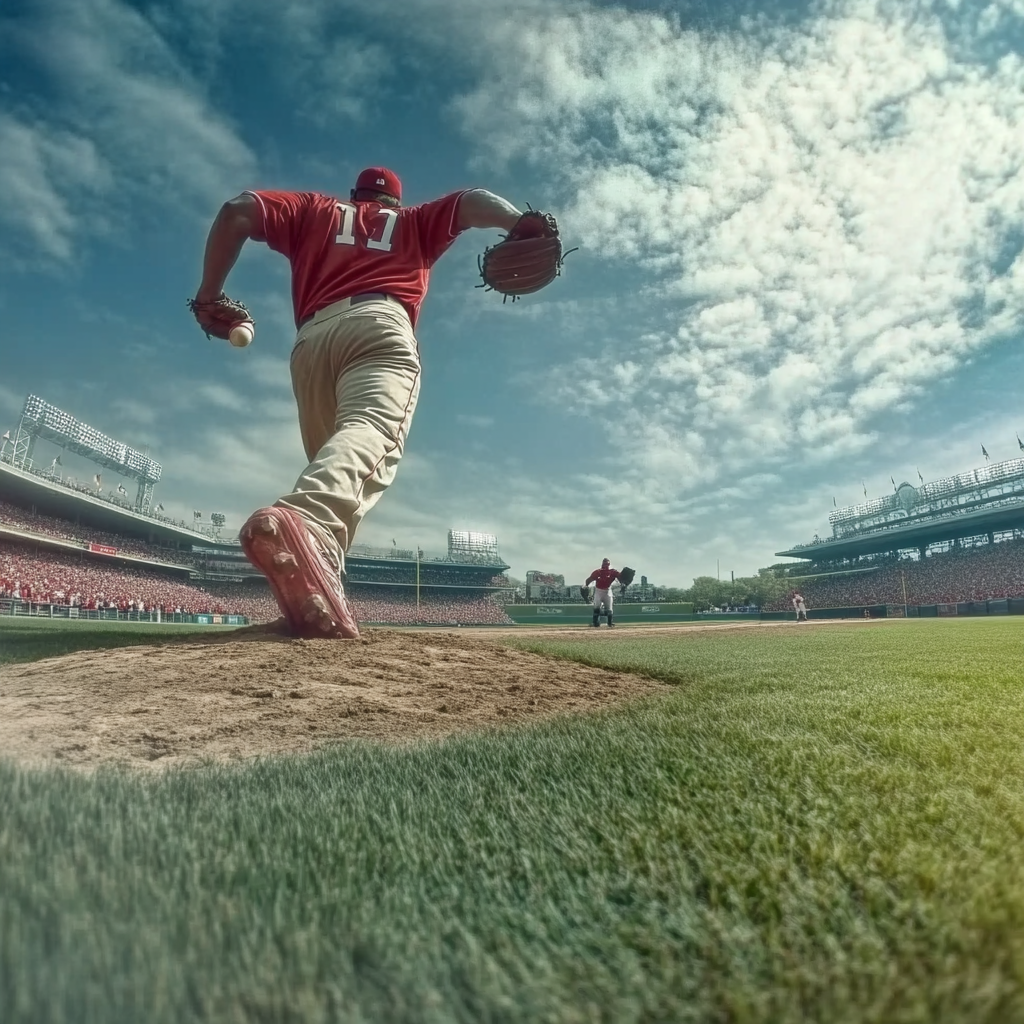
[(799, 270)]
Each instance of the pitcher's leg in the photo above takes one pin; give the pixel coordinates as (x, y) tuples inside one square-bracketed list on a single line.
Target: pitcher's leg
[(314, 366), (376, 389)]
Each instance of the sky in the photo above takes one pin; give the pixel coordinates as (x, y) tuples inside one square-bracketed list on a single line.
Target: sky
[(799, 269)]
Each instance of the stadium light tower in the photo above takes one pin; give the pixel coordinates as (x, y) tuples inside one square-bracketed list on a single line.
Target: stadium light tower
[(472, 547), (40, 419)]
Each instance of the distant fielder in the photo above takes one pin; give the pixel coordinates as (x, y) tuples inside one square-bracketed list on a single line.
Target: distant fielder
[(602, 579), (799, 607)]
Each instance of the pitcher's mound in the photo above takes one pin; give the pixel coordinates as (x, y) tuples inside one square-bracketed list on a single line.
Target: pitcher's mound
[(247, 693)]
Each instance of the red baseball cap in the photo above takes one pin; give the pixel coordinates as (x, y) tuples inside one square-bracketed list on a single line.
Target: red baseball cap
[(380, 179)]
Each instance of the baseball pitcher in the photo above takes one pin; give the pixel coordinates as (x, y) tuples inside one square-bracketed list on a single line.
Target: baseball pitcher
[(360, 267)]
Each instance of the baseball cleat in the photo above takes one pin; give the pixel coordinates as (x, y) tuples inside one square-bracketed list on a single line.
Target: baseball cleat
[(304, 577), (317, 618)]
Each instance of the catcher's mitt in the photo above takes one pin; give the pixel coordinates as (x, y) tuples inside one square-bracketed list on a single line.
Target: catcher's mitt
[(527, 259), (585, 592), (626, 576), (218, 316)]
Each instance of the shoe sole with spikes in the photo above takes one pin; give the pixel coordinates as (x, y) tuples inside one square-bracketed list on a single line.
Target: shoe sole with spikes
[(307, 589)]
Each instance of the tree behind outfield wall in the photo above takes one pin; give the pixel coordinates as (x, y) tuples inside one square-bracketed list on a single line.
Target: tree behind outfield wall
[(708, 592), (768, 585)]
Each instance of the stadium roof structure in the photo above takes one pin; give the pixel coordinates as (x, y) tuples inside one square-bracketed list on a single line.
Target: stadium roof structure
[(226, 555), (52, 497), (41, 419), (986, 500)]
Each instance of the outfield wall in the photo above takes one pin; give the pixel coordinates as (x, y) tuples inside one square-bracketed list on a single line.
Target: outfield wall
[(633, 614), (35, 610), (1002, 606), (627, 613)]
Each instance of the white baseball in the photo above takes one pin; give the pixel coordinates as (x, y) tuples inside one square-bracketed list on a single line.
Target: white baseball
[(241, 335)]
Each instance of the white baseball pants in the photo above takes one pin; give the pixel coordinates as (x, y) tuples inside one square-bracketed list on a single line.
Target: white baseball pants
[(356, 378)]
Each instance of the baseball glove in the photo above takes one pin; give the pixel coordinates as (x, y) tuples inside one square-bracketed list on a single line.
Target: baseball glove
[(218, 316), (527, 259), (585, 592), (626, 576)]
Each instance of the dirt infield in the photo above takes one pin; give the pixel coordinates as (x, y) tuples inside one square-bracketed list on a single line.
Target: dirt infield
[(253, 691), (232, 696)]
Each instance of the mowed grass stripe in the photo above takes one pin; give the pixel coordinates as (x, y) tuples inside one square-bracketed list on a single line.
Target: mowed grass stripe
[(823, 825), (25, 639)]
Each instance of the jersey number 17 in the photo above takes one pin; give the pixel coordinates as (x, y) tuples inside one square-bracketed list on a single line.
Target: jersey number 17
[(346, 230)]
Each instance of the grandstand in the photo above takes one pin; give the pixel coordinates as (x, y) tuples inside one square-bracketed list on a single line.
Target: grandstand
[(398, 585), (947, 543), (67, 548)]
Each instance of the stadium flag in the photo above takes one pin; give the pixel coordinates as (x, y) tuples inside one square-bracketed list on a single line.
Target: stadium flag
[(893, 483), (985, 453), (1020, 443), (196, 515), (159, 508), (97, 478), (394, 543), (919, 477), (865, 486), (834, 505)]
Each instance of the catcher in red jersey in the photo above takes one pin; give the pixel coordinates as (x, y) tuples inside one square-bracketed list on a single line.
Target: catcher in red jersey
[(360, 269), (602, 579)]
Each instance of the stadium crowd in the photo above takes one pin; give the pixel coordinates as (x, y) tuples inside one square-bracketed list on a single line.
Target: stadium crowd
[(80, 581), (63, 578), (431, 574), (21, 519), (971, 574), (372, 606)]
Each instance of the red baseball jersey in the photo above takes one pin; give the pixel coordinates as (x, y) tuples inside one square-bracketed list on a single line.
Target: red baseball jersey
[(603, 578), (338, 248)]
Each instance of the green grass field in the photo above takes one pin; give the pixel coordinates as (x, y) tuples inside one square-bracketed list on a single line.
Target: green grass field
[(25, 639), (815, 824)]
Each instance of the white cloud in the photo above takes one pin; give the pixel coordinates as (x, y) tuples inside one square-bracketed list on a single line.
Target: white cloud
[(123, 121), (43, 171), (823, 206), (479, 422), (10, 404), (333, 59)]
